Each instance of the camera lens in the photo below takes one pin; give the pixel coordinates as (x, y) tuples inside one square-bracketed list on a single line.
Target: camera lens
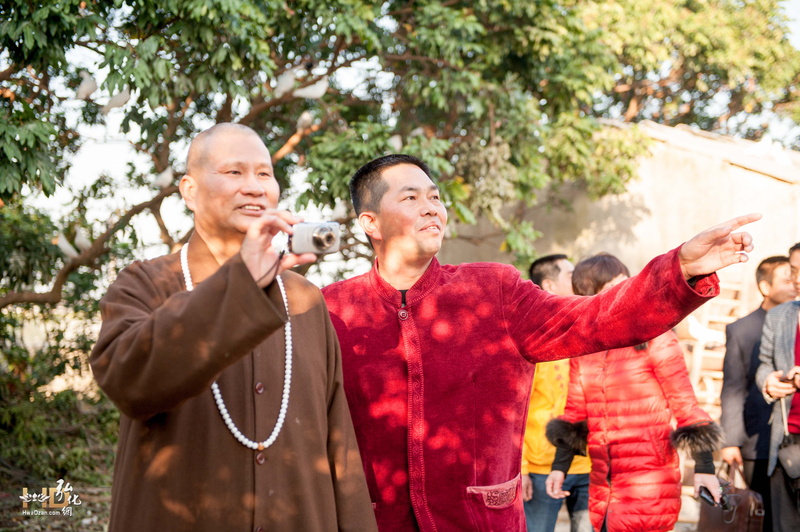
[(323, 237)]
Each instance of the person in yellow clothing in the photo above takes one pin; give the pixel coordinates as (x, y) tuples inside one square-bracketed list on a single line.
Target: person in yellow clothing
[(553, 273)]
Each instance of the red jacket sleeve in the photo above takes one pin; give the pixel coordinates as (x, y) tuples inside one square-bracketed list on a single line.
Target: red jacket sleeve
[(673, 377), (575, 410), (550, 327)]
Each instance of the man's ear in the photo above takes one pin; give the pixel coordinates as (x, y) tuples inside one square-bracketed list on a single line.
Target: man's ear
[(369, 223), (188, 188), (548, 285), (764, 287)]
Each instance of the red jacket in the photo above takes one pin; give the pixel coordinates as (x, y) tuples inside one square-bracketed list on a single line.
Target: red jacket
[(438, 389), (628, 398)]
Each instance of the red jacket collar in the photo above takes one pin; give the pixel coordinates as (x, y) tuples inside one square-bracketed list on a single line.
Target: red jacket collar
[(393, 296)]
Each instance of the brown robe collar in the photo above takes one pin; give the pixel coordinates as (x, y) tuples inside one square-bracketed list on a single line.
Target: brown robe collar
[(202, 263)]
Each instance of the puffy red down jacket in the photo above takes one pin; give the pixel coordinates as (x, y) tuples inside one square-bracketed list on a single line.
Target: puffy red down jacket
[(628, 398)]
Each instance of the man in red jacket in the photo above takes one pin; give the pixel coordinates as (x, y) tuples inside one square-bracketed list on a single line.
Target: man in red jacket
[(438, 359)]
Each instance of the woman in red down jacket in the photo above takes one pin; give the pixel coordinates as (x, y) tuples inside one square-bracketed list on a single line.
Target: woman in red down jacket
[(621, 402)]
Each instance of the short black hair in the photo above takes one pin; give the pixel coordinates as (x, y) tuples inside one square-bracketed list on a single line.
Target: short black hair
[(367, 187), (766, 268), (794, 248), (545, 268)]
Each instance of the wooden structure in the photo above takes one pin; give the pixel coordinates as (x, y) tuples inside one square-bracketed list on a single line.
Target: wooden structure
[(702, 335)]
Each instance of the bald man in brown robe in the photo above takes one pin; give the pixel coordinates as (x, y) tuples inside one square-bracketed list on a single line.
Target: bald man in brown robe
[(276, 451)]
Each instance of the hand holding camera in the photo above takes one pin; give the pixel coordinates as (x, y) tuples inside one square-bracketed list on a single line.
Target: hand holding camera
[(263, 258), (320, 238)]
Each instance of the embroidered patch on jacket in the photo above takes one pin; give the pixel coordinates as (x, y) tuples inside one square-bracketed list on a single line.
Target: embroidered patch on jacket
[(499, 498), (499, 495)]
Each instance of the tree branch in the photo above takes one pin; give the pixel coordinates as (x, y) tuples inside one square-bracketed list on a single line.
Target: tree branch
[(633, 107), (437, 61), (175, 117), (141, 148), (293, 141), (86, 258), (155, 210), (7, 73), (226, 111), (412, 8), (477, 240), (491, 122), (258, 108)]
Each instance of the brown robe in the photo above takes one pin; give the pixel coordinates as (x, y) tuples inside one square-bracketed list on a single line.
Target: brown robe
[(177, 466)]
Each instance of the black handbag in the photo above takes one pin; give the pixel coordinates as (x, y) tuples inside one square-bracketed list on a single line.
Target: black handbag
[(789, 451), (741, 509)]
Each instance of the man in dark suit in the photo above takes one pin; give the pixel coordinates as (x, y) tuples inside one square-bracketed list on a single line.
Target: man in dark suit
[(745, 413)]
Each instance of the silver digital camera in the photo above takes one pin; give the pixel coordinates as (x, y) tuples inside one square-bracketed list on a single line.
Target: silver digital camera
[(320, 238)]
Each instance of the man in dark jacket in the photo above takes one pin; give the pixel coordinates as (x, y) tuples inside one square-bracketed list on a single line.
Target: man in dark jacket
[(745, 414)]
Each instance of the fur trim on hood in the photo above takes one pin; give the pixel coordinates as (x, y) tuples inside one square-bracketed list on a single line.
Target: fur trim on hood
[(566, 435), (699, 437)]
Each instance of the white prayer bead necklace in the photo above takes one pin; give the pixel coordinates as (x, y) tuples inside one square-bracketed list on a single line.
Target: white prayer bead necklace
[(287, 379)]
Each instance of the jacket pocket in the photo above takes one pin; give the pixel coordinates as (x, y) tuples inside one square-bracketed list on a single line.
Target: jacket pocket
[(494, 507), (660, 445)]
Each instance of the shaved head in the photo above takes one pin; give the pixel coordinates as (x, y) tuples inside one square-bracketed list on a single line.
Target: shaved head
[(198, 149), (229, 182)]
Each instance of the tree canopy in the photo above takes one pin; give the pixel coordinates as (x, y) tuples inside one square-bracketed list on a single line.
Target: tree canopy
[(503, 99), (710, 64)]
